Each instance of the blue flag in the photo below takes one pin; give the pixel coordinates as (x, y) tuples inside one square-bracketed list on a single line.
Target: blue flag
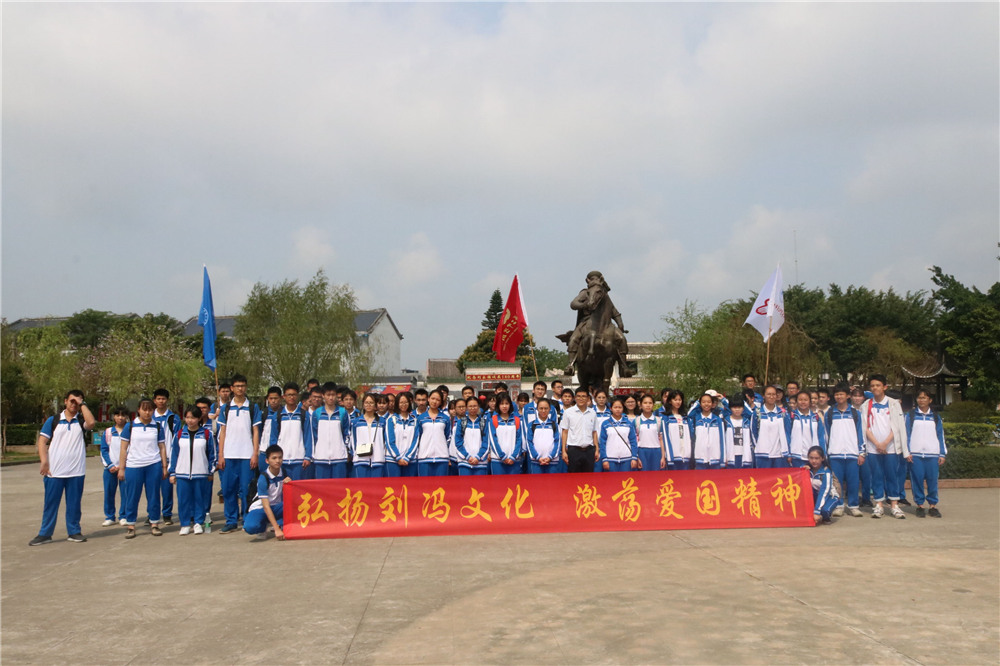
[(206, 319)]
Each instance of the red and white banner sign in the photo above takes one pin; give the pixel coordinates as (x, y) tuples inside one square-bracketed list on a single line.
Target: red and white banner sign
[(530, 503)]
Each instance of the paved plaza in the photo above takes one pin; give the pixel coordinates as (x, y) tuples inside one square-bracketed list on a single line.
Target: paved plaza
[(860, 591)]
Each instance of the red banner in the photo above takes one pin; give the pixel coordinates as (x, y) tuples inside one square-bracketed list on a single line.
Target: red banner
[(529, 503), (510, 330)]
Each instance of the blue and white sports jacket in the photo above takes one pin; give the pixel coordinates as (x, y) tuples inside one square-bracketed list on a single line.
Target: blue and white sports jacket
[(844, 433), (617, 441), (472, 441), (192, 453), (709, 434), (505, 437), (925, 434), (544, 439)]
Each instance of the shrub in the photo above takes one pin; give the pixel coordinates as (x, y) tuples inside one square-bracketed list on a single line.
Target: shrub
[(969, 434), (967, 411), (972, 463), (26, 434)]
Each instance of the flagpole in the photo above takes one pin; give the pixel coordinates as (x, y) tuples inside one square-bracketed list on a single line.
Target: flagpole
[(767, 361)]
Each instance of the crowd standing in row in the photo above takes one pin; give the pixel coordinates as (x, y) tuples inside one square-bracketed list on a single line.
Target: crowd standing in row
[(860, 447)]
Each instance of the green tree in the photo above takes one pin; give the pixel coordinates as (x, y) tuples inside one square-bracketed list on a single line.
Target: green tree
[(49, 366), (86, 327), (549, 359), (289, 332), (481, 351), (970, 333), (491, 318), (132, 361)]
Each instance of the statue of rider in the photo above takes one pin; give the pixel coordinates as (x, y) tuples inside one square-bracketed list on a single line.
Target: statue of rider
[(594, 317)]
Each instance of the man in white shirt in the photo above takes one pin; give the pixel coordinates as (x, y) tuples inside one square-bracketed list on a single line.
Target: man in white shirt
[(62, 452), (579, 438)]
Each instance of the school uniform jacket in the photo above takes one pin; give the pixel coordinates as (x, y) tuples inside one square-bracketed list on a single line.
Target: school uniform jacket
[(676, 438), (844, 433), (925, 434), (772, 437), (192, 454), (897, 423), (505, 437), (331, 435), (544, 438), (430, 438), (804, 431), (294, 436), (111, 447), (709, 435), (363, 432), (399, 433), (472, 441), (617, 441)]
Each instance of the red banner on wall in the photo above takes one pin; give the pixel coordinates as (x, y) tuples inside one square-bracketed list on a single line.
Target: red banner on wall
[(343, 508)]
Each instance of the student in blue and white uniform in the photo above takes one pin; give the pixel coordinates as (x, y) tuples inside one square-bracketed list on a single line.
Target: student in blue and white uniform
[(472, 441), (749, 382), (143, 459), (804, 429), (772, 437), (205, 405), (616, 441), (457, 413), (857, 400), (664, 407), (885, 432), (676, 432), (171, 423), (925, 437), (846, 448), (825, 497), (399, 430), (331, 437), (649, 435), (62, 450), (267, 508), (111, 445), (192, 459), (506, 444), (368, 441), (293, 434), (602, 412), (543, 439), (269, 417), (741, 435), (708, 430), (430, 438), (239, 444)]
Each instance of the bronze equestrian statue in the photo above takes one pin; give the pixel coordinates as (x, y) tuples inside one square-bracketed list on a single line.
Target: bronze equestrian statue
[(596, 344)]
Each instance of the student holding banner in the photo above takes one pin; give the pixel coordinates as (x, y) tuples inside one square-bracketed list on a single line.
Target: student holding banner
[(543, 440)]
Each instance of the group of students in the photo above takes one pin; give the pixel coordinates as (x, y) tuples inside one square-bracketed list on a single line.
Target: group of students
[(860, 443)]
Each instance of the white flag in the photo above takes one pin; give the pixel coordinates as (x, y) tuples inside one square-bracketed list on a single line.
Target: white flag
[(768, 313)]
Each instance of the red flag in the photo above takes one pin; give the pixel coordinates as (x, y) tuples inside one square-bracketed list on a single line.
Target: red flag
[(513, 321)]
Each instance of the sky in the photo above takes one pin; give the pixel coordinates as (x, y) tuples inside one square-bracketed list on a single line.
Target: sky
[(425, 153)]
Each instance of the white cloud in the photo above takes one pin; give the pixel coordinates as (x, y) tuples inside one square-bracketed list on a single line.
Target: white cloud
[(312, 248), (417, 263)]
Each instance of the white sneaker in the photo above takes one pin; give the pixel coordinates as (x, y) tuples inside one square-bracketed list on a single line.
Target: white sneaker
[(198, 529), (855, 511), (839, 511), (108, 523), (898, 513), (878, 511), (123, 522), (185, 530)]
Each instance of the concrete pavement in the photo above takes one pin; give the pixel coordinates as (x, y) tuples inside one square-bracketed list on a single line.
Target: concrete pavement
[(858, 591)]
